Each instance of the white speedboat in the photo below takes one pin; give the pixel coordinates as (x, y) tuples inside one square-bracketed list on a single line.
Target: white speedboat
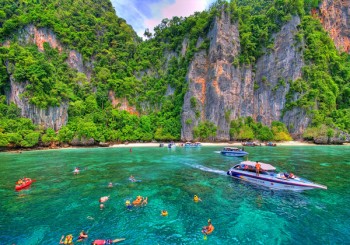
[(268, 177), (233, 152), (193, 145)]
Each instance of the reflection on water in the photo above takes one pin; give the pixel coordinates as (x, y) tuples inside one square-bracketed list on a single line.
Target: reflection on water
[(62, 203)]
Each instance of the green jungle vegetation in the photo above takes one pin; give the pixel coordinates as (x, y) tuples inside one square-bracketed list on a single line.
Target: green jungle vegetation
[(143, 71)]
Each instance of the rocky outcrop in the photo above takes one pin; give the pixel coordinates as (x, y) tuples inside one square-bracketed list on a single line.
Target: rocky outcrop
[(220, 92), (39, 36), (51, 117), (122, 103), (335, 18), (82, 141), (216, 86), (274, 71)]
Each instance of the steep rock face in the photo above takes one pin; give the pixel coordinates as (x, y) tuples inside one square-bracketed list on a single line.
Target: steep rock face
[(122, 104), (219, 88), (51, 117), (223, 92), (335, 18), (39, 36), (274, 71)]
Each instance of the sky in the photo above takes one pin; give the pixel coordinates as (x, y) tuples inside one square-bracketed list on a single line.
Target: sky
[(142, 14)]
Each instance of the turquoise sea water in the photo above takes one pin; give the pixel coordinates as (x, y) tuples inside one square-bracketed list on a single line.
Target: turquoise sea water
[(62, 203)]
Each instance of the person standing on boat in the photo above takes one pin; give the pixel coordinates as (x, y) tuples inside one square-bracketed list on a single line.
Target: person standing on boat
[(257, 168)]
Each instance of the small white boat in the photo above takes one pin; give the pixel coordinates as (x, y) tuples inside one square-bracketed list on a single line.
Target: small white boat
[(268, 177), (233, 152), (192, 145)]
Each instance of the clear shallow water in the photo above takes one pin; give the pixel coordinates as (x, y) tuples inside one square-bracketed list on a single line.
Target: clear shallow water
[(61, 203)]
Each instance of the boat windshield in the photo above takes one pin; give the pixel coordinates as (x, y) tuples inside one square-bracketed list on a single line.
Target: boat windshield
[(231, 149), (249, 168)]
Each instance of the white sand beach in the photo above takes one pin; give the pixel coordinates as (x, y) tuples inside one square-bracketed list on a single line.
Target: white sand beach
[(286, 143)]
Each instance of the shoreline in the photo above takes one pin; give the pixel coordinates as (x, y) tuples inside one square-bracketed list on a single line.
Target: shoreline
[(152, 144), (222, 144)]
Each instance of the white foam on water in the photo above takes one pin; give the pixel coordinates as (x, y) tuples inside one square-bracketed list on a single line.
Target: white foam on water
[(206, 169)]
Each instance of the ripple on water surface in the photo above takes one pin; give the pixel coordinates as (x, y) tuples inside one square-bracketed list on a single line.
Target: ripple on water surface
[(61, 203)]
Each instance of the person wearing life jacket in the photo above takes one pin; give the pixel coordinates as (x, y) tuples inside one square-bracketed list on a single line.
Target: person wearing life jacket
[(208, 229), (164, 213), (108, 241), (196, 199), (128, 204), (257, 168), (137, 201), (68, 240)]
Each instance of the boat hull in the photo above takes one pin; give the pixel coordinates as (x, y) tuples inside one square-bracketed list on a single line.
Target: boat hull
[(273, 182), (234, 154), (24, 185)]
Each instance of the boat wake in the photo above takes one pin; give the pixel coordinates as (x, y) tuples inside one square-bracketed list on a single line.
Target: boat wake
[(206, 169), (217, 152)]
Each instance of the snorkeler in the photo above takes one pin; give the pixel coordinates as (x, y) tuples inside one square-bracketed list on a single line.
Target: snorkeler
[(68, 240), (208, 229), (104, 199), (82, 236), (196, 199)]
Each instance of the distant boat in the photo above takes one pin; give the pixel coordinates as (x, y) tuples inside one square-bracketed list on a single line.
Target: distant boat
[(249, 143), (193, 145), (233, 152), (268, 177), (270, 144)]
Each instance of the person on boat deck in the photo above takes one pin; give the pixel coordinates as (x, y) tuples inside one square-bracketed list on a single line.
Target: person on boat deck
[(289, 175), (257, 168), (108, 241), (68, 240), (208, 229), (82, 236)]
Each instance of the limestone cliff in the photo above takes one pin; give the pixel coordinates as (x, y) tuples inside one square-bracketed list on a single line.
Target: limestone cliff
[(223, 92), (335, 18), (53, 117)]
